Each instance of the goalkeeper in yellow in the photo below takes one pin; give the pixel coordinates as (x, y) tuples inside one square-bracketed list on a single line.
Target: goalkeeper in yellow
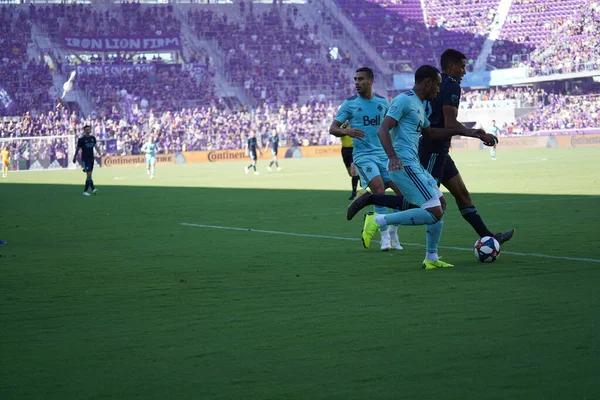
[(5, 160)]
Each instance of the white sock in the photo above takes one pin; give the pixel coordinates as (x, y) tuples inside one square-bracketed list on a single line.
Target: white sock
[(431, 256), (380, 220), (393, 230), (152, 171)]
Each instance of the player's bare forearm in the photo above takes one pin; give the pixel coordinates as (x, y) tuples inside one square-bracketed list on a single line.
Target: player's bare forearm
[(336, 129)]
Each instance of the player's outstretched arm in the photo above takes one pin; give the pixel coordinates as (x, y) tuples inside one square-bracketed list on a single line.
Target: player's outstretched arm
[(75, 155), (451, 121)]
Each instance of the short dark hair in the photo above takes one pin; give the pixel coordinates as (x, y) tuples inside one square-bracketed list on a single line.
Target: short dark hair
[(451, 56), (368, 70), (87, 126), (424, 72)]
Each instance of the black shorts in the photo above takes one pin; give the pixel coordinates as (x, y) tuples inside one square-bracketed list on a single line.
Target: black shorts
[(87, 164), (347, 156), (440, 165)]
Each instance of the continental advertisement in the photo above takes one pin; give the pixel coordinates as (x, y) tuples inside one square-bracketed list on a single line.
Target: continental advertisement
[(188, 157), (123, 161)]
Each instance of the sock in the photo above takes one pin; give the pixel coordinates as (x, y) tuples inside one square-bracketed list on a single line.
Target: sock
[(431, 256), (87, 184), (92, 184), (271, 164), (277, 164), (493, 152), (151, 171), (473, 218), (397, 202), (249, 166), (393, 230), (355, 180), (379, 210), (414, 216), (254, 166), (432, 237)]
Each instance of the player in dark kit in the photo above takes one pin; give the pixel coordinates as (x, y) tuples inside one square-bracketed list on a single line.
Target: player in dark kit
[(87, 144), (251, 148), (434, 155), (274, 145)]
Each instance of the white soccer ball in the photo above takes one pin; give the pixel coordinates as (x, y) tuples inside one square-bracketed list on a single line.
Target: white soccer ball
[(486, 249)]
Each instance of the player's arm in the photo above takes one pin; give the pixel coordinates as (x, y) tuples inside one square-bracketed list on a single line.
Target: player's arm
[(451, 121), (337, 127), (267, 144), (383, 132), (98, 152), (76, 151), (446, 133)]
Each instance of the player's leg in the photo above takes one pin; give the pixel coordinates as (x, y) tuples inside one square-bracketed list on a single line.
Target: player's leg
[(273, 159), (148, 164), (370, 176), (276, 161), (349, 163), (452, 180), (89, 172), (254, 158), (493, 152), (152, 167), (5, 170)]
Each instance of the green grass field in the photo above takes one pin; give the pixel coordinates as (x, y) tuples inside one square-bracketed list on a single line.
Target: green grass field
[(111, 297)]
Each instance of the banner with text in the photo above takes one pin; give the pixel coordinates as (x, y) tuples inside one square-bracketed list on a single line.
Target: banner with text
[(122, 161), (122, 43), (114, 70)]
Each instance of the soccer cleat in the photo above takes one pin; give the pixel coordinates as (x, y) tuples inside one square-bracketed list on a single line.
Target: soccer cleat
[(360, 202), (95, 191), (506, 236), (86, 194), (395, 242), (246, 170), (386, 244), (256, 173), (269, 169), (427, 264), (278, 169), (151, 176), (370, 228), (147, 172), (352, 196)]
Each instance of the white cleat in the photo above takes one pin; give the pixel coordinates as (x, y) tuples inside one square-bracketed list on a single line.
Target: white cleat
[(151, 176), (278, 169), (147, 172), (395, 242), (256, 173), (95, 191), (86, 194), (246, 170), (269, 169), (385, 243)]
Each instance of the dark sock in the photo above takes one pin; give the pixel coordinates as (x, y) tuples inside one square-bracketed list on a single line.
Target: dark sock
[(249, 166), (92, 184), (254, 166), (473, 218), (87, 184), (271, 164), (355, 180), (397, 202), (277, 164)]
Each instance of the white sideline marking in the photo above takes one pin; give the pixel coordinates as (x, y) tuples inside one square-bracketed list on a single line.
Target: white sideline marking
[(310, 235), (545, 200)]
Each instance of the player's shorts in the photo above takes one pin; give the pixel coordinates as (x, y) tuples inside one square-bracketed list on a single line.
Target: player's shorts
[(347, 156), (440, 165), (150, 159), (252, 155), (369, 168), (87, 164), (274, 151), (416, 184), (5, 162)]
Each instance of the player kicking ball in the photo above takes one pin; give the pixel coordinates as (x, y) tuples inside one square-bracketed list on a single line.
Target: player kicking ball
[(399, 133), (149, 149), (87, 143)]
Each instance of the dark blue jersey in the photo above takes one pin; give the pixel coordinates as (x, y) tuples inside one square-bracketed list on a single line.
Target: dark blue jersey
[(274, 141), (86, 144), (449, 95), (252, 144)]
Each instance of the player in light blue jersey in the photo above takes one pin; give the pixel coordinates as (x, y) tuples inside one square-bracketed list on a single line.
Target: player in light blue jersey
[(399, 133), (494, 130), (149, 149), (364, 111)]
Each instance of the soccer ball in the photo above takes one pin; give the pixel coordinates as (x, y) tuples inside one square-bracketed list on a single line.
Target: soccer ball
[(487, 249)]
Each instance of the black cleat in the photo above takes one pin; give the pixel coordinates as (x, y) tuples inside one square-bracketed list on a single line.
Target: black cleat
[(361, 201), (505, 237), (352, 196)]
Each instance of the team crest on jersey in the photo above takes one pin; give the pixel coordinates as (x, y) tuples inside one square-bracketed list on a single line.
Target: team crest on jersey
[(369, 169), (379, 107), (393, 109), (454, 98)]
